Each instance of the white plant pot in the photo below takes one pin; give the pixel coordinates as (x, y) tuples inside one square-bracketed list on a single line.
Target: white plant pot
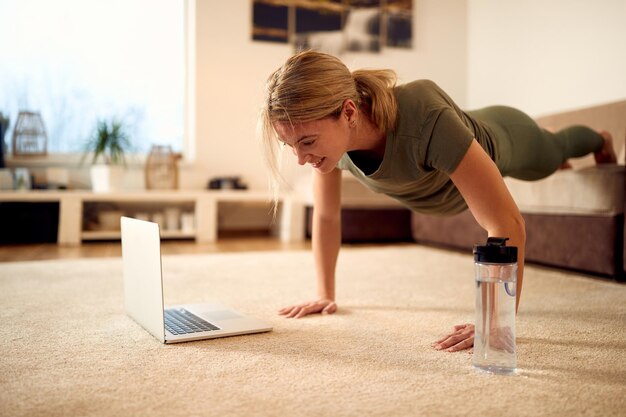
[(106, 178)]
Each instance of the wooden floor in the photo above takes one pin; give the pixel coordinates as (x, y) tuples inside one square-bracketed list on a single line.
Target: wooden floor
[(31, 252)]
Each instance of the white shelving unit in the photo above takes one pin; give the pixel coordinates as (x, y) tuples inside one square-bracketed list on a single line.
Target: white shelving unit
[(205, 205), (113, 234)]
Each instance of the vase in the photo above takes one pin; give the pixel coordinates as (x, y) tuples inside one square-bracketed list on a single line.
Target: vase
[(162, 168)]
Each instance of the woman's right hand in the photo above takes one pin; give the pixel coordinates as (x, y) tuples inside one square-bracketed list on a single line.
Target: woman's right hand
[(322, 306)]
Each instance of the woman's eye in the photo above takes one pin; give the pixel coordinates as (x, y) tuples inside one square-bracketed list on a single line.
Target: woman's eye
[(307, 142)]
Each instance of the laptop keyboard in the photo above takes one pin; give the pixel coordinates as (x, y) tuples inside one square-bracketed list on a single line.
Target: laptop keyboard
[(181, 321)]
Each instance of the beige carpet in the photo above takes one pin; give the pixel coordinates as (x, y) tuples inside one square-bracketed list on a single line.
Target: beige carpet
[(67, 348)]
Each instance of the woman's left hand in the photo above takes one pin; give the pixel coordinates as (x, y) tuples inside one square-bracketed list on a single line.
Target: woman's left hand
[(461, 338)]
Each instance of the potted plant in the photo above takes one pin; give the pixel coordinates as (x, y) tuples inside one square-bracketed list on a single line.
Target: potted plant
[(107, 145)]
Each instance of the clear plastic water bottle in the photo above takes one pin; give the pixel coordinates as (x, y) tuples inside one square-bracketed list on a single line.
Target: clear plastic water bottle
[(495, 266)]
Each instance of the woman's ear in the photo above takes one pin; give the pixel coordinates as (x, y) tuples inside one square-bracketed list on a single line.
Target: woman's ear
[(349, 110)]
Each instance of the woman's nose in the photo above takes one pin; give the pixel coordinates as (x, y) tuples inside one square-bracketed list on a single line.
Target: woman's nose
[(300, 155)]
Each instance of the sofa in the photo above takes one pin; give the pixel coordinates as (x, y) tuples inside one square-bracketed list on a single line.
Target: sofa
[(574, 218)]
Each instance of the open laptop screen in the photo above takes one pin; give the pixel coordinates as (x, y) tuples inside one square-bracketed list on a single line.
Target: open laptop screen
[(143, 283)]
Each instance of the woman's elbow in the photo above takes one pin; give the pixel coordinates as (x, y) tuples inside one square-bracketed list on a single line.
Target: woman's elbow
[(518, 224), (512, 226)]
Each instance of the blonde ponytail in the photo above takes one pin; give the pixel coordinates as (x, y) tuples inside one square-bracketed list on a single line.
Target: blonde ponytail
[(375, 90)]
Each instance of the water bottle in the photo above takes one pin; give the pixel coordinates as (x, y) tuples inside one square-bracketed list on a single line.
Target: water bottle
[(495, 266)]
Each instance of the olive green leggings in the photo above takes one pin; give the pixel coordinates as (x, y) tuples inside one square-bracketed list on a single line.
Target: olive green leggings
[(529, 152)]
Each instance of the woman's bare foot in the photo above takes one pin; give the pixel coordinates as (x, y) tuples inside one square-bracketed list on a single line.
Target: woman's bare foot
[(606, 155)]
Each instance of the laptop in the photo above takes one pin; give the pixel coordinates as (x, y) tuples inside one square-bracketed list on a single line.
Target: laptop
[(143, 294)]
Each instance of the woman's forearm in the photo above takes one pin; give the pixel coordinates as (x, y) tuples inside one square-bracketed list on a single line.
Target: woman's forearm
[(326, 243), (520, 274), (516, 232)]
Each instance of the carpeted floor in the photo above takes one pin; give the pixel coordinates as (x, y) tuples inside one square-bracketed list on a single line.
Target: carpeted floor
[(68, 349)]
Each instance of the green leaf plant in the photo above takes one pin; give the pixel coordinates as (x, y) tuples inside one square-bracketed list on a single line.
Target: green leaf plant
[(109, 141)]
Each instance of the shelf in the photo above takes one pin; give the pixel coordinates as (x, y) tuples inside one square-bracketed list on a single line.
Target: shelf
[(204, 203), (91, 235)]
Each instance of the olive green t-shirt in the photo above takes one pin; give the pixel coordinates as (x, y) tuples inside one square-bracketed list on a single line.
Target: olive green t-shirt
[(431, 137)]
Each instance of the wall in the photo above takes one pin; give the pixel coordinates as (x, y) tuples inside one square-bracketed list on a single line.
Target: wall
[(231, 71), (546, 56), (228, 72)]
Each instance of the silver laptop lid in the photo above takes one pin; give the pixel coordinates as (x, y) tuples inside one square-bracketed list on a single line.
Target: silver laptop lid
[(143, 283)]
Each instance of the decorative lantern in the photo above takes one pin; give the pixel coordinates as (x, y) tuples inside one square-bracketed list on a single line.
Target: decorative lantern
[(162, 168), (29, 135)]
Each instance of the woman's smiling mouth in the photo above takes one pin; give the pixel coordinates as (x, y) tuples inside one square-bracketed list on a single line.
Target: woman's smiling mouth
[(318, 163)]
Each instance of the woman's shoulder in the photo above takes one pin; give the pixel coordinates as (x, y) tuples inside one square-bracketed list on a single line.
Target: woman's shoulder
[(419, 96), (423, 93), (420, 88)]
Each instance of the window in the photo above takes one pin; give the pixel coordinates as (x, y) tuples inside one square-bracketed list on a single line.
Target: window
[(77, 61)]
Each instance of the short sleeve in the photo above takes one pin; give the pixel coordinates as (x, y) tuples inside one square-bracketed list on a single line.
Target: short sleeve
[(450, 139)]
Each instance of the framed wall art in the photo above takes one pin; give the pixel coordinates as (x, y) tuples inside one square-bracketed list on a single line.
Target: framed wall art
[(334, 26)]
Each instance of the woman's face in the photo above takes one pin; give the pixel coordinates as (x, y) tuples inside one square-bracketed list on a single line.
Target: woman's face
[(320, 143)]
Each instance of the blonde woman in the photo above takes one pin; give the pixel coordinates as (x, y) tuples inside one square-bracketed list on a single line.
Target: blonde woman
[(413, 143)]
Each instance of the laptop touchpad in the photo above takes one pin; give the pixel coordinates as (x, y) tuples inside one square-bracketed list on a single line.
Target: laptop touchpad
[(221, 315)]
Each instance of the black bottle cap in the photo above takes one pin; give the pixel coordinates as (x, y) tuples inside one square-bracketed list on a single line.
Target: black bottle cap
[(495, 252)]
